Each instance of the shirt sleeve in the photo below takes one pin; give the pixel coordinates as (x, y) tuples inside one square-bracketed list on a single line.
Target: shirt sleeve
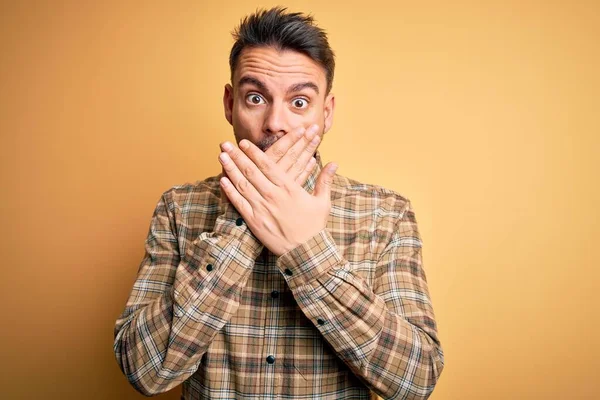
[(385, 332), (179, 302)]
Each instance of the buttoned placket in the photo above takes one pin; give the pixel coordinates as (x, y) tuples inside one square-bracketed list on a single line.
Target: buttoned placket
[(271, 338)]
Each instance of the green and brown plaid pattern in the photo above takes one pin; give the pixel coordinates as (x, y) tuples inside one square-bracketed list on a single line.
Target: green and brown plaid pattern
[(346, 313)]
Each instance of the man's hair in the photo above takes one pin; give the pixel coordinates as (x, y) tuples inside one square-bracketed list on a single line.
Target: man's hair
[(284, 31)]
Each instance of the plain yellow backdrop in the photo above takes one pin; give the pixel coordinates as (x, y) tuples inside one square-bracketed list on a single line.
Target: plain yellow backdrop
[(484, 114)]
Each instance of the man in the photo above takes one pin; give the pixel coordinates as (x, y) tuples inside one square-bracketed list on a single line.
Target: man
[(280, 278)]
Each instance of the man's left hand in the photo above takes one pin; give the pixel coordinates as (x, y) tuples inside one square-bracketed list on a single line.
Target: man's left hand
[(277, 209)]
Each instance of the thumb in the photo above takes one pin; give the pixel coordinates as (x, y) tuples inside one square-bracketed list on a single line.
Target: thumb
[(323, 185)]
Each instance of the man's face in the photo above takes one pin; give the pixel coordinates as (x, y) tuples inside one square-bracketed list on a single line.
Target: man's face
[(274, 92)]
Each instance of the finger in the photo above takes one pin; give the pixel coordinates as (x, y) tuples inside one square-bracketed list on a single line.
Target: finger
[(238, 201), (239, 181), (280, 147), (301, 179), (265, 165), (246, 169), (224, 175), (307, 154), (323, 186), (292, 155)]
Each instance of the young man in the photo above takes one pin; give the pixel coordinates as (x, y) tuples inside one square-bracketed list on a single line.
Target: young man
[(279, 278)]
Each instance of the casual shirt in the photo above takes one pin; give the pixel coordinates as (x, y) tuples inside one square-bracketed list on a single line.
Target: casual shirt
[(345, 313)]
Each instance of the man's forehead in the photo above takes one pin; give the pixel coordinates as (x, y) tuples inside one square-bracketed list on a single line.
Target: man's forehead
[(269, 64)]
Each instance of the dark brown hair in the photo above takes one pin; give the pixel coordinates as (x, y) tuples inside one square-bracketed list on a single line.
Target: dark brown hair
[(294, 31)]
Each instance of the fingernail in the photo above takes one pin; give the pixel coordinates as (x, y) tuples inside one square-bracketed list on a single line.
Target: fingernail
[(314, 128), (227, 146), (224, 157), (244, 144), (333, 168), (316, 139)]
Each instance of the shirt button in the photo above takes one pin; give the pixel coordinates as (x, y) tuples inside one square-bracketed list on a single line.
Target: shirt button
[(239, 221), (288, 272), (320, 321), (270, 359), (209, 267), (274, 294)]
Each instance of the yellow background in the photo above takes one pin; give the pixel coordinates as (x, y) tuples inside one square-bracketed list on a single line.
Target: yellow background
[(484, 114)]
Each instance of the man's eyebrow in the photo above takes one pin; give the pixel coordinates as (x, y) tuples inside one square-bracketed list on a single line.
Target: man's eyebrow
[(299, 86), (250, 80)]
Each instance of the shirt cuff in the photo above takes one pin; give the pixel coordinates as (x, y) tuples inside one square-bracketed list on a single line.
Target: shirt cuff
[(309, 260), (231, 223), (231, 249)]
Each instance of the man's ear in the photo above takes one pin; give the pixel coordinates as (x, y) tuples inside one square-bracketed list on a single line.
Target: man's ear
[(228, 102), (328, 111)]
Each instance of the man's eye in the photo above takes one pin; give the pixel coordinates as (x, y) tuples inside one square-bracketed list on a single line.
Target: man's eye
[(255, 99), (300, 103)]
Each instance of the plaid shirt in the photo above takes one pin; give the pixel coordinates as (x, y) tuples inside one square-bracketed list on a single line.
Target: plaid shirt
[(344, 313)]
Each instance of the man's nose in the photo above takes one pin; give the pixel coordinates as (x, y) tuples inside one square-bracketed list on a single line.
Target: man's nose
[(276, 122)]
